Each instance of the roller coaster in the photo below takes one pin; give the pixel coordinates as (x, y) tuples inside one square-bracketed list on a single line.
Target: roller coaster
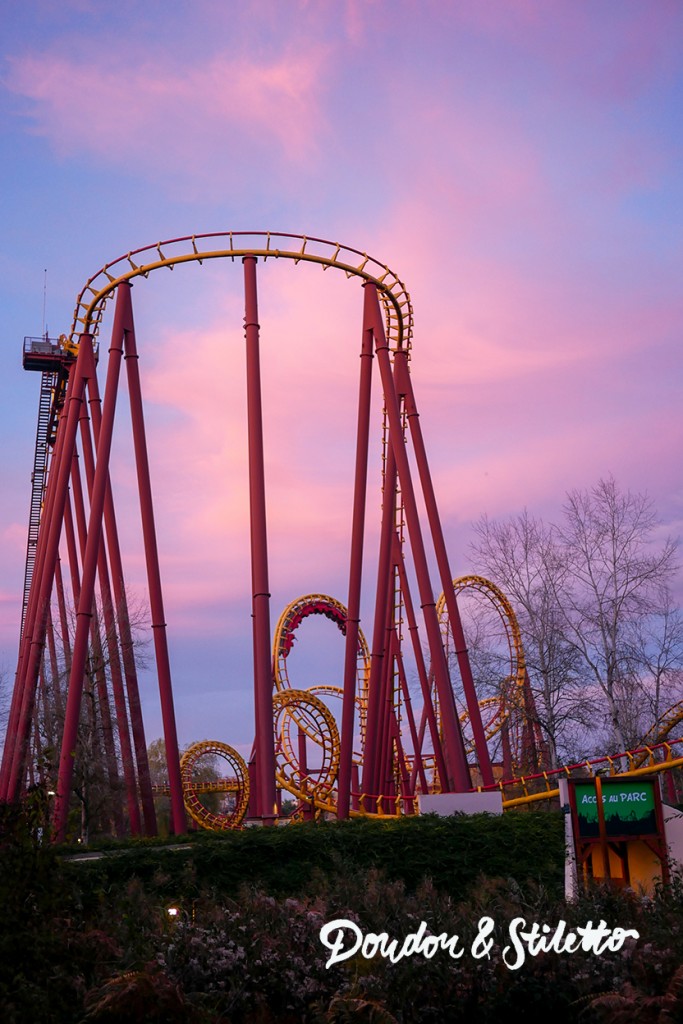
[(356, 745)]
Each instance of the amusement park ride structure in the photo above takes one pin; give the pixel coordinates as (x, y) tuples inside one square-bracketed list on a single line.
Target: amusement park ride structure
[(376, 755)]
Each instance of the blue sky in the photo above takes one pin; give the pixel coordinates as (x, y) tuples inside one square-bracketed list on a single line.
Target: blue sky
[(517, 163)]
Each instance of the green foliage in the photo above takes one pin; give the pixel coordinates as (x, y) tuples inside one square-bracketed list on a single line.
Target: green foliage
[(36, 912), (452, 851), (93, 941)]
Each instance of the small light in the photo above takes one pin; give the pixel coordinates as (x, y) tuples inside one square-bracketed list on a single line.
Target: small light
[(51, 792), (172, 911)]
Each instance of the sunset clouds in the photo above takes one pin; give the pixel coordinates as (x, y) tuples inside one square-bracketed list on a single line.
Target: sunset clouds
[(517, 163), (192, 116)]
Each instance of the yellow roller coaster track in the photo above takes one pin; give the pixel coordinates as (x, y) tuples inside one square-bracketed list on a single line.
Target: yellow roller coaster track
[(317, 722), (238, 785), (647, 760), (498, 709), (291, 618), (92, 300), (663, 727)]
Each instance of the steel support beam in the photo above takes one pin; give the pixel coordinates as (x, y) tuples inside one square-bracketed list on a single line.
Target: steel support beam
[(373, 732), (355, 567), (156, 601), (405, 387), (456, 760), (263, 682), (84, 612), (121, 614)]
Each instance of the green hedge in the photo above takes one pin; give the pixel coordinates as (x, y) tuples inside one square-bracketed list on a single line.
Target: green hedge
[(453, 852)]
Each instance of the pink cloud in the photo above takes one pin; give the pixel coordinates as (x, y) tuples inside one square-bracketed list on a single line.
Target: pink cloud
[(502, 470), (536, 371), (161, 112)]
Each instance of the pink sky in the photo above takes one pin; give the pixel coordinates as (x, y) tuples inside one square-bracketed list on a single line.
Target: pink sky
[(517, 164)]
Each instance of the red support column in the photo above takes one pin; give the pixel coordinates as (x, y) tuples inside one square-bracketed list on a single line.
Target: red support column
[(120, 607), (132, 689), (373, 731), (384, 770), (355, 787), (263, 682), (508, 767), (406, 389), (407, 793), (428, 714), (110, 634), (531, 749), (95, 639), (63, 619), (178, 815), (64, 628), (72, 553), (86, 602), (355, 569), (407, 703), (254, 803), (74, 570), (54, 667), (456, 759), (48, 716)]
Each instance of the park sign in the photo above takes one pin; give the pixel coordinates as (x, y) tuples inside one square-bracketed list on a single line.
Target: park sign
[(628, 805), (614, 832)]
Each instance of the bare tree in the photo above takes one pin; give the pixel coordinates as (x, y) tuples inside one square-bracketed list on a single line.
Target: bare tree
[(522, 557), (612, 596), (603, 639), (5, 702), (658, 652)]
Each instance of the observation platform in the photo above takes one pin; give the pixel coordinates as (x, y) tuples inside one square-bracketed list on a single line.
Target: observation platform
[(45, 354)]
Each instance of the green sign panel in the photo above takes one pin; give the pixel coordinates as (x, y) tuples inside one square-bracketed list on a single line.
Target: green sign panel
[(628, 805)]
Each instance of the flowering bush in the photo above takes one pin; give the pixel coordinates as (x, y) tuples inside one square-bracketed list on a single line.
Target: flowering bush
[(255, 954)]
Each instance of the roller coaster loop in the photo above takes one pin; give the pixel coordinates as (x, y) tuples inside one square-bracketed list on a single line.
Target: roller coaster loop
[(238, 786), (310, 783), (289, 621), (513, 711)]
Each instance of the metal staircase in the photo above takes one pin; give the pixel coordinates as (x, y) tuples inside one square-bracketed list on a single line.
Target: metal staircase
[(53, 362), (38, 478)]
